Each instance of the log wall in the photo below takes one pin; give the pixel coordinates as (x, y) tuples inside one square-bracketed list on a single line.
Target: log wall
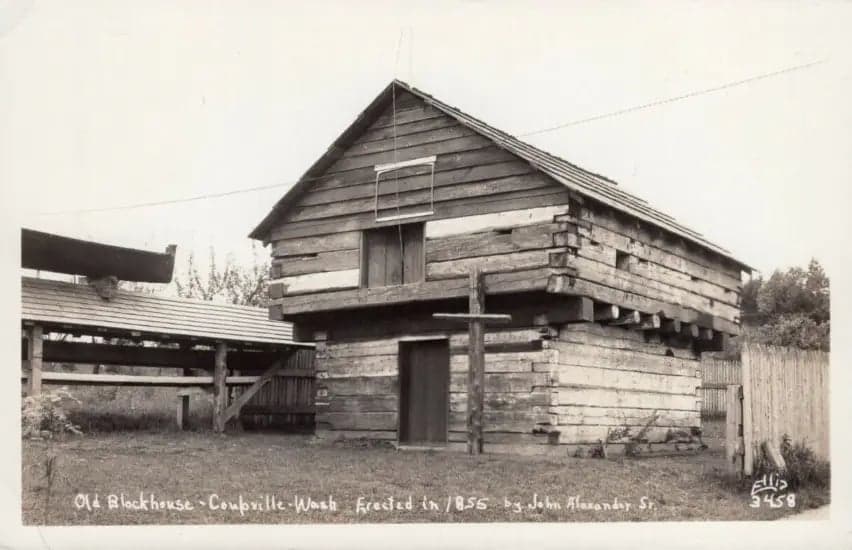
[(358, 387), (542, 396), (605, 378), (491, 210)]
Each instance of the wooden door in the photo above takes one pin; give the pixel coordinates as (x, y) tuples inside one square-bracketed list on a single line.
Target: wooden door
[(424, 384)]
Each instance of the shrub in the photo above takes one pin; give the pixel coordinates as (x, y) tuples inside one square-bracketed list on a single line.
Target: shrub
[(43, 416), (803, 467)]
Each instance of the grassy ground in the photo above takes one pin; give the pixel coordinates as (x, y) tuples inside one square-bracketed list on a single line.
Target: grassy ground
[(192, 467)]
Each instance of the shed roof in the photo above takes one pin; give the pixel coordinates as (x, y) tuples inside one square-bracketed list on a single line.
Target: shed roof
[(582, 181), (70, 305)]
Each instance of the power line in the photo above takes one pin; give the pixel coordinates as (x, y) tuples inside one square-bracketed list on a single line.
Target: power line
[(658, 102), (172, 201), (531, 133)]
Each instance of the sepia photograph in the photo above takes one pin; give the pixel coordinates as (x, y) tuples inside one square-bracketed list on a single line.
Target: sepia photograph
[(454, 274)]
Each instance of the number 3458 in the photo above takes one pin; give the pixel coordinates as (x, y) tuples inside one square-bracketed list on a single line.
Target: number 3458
[(774, 501)]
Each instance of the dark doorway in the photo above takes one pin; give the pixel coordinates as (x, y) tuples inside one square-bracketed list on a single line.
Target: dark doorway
[(424, 380)]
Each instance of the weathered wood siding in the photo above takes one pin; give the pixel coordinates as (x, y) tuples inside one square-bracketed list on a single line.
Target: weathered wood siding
[(634, 265), (358, 387), (605, 378), (317, 245), (494, 211), (542, 396)]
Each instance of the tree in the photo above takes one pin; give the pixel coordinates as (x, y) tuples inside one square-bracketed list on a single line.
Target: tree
[(792, 308), (243, 285)]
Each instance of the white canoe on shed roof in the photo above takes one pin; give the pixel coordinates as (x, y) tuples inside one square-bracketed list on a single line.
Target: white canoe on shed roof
[(61, 304)]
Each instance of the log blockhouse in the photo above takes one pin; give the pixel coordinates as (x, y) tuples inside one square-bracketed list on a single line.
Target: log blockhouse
[(612, 301)]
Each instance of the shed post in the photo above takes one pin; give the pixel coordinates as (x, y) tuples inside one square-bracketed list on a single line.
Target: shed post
[(183, 406), (35, 337), (220, 389)]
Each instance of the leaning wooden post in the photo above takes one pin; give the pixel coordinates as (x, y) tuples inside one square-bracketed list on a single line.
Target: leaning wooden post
[(220, 390), (35, 337)]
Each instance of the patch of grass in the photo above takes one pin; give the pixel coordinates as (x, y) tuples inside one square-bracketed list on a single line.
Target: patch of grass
[(194, 466)]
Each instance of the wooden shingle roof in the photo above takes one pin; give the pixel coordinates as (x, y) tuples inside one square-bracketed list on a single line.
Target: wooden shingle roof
[(67, 306), (582, 181)]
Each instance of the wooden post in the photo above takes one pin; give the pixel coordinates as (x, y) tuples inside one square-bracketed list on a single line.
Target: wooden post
[(476, 361), (183, 406), (35, 336), (733, 429), (748, 417), (220, 389), (476, 321)]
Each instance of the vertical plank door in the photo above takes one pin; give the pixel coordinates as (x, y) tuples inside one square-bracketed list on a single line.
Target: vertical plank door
[(424, 391)]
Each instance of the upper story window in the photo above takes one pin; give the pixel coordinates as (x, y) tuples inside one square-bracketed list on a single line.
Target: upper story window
[(394, 177), (392, 255)]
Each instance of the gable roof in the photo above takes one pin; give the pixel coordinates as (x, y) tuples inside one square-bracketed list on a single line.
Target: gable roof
[(584, 182)]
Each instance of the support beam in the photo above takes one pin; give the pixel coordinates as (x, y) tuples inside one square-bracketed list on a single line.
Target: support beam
[(35, 337), (233, 409), (220, 388), (183, 405), (689, 330), (82, 353), (649, 322), (670, 326), (606, 312), (85, 379), (573, 310)]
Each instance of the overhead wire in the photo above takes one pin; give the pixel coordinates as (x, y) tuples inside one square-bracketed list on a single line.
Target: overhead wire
[(585, 120)]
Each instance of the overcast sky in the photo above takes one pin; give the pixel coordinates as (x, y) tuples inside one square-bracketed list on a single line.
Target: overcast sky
[(111, 103)]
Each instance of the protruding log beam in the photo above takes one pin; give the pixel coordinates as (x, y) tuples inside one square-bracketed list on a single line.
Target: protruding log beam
[(572, 310), (631, 318), (606, 312), (689, 330), (670, 326), (220, 389), (649, 322)]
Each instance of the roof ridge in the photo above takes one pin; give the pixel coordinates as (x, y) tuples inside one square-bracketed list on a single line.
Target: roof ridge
[(582, 181)]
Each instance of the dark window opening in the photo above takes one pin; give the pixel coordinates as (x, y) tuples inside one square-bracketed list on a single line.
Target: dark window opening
[(392, 255), (669, 353), (622, 260)]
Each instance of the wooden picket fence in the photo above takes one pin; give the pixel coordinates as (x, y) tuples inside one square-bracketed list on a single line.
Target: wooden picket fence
[(285, 402), (784, 392), (716, 376)]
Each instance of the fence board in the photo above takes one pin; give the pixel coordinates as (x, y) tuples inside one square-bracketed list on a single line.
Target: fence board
[(285, 401), (785, 392), (716, 376)]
